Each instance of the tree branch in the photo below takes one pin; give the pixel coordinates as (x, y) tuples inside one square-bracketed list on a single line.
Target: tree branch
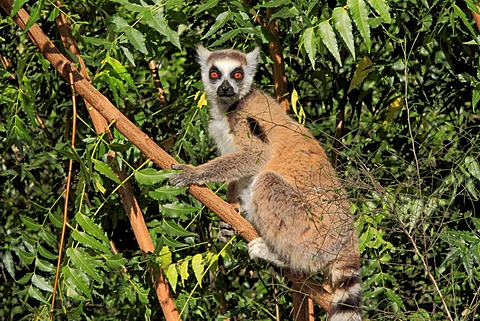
[(130, 203)]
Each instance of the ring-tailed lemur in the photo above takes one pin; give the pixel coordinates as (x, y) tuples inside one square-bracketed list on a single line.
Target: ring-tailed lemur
[(282, 179)]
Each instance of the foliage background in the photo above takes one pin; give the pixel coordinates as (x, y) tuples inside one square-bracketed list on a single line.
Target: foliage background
[(409, 156)]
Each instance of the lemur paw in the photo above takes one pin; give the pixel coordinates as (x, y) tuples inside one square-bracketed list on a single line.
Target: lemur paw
[(226, 231), (186, 177)]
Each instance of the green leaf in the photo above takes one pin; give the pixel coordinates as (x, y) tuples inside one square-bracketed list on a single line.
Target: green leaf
[(361, 72), (177, 209), (198, 268), (7, 260), (276, 3), (87, 240), (167, 193), (39, 282), (476, 221), (173, 229), (85, 263), (310, 44), (164, 258), (25, 279), (329, 40), (122, 73), (75, 277), (17, 4), (36, 294), (205, 6), (30, 223), (115, 261), (44, 265), (394, 298), (88, 225), (150, 176), (35, 13), (381, 7), (341, 21), (171, 242), (157, 22), (359, 13), (172, 276), (475, 96), (136, 38), (26, 257), (56, 220), (98, 42), (183, 267), (220, 21), (473, 166), (45, 253)]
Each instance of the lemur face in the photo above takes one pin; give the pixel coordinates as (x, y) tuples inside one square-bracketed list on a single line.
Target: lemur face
[(227, 74)]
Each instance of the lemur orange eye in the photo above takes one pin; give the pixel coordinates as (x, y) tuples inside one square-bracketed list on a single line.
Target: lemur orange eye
[(238, 75), (214, 74)]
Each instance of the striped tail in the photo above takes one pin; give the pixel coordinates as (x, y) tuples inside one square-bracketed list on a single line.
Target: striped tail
[(346, 297)]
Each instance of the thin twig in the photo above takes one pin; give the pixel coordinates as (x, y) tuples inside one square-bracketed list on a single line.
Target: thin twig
[(67, 195)]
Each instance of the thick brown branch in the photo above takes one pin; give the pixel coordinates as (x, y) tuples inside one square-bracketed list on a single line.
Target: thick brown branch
[(147, 145), (129, 201)]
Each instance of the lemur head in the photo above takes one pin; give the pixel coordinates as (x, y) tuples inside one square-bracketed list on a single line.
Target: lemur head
[(227, 74)]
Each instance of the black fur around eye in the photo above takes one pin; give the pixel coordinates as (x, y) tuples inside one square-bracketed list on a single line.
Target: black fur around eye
[(214, 73), (237, 74)]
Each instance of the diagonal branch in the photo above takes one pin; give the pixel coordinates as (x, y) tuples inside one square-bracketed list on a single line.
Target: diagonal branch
[(130, 203)]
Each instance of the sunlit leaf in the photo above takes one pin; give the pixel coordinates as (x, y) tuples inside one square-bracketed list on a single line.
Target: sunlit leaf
[(172, 276), (157, 22), (342, 23), (77, 278), (90, 241), (85, 263), (41, 283), (198, 268), (310, 44), (164, 258), (44, 265), (381, 7), (150, 176), (137, 39), (37, 294), (166, 193), (7, 260), (329, 39), (394, 110), (89, 226), (220, 21), (359, 13), (177, 209)]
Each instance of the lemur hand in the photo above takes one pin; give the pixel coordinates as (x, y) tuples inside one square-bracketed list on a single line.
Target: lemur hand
[(186, 177)]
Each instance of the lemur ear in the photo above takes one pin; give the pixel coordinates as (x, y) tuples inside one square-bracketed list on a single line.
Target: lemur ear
[(252, 57), (203, 54)]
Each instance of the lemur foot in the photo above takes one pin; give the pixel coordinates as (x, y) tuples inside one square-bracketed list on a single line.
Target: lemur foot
[(259, 249), (226, 231)]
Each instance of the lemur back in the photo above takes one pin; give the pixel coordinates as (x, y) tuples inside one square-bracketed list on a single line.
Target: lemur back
[(282, 178)]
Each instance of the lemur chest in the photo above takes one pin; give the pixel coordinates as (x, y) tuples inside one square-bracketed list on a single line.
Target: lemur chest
[(222, 135)]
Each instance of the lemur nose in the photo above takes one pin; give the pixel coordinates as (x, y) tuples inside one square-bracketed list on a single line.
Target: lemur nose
[(225, 89)]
